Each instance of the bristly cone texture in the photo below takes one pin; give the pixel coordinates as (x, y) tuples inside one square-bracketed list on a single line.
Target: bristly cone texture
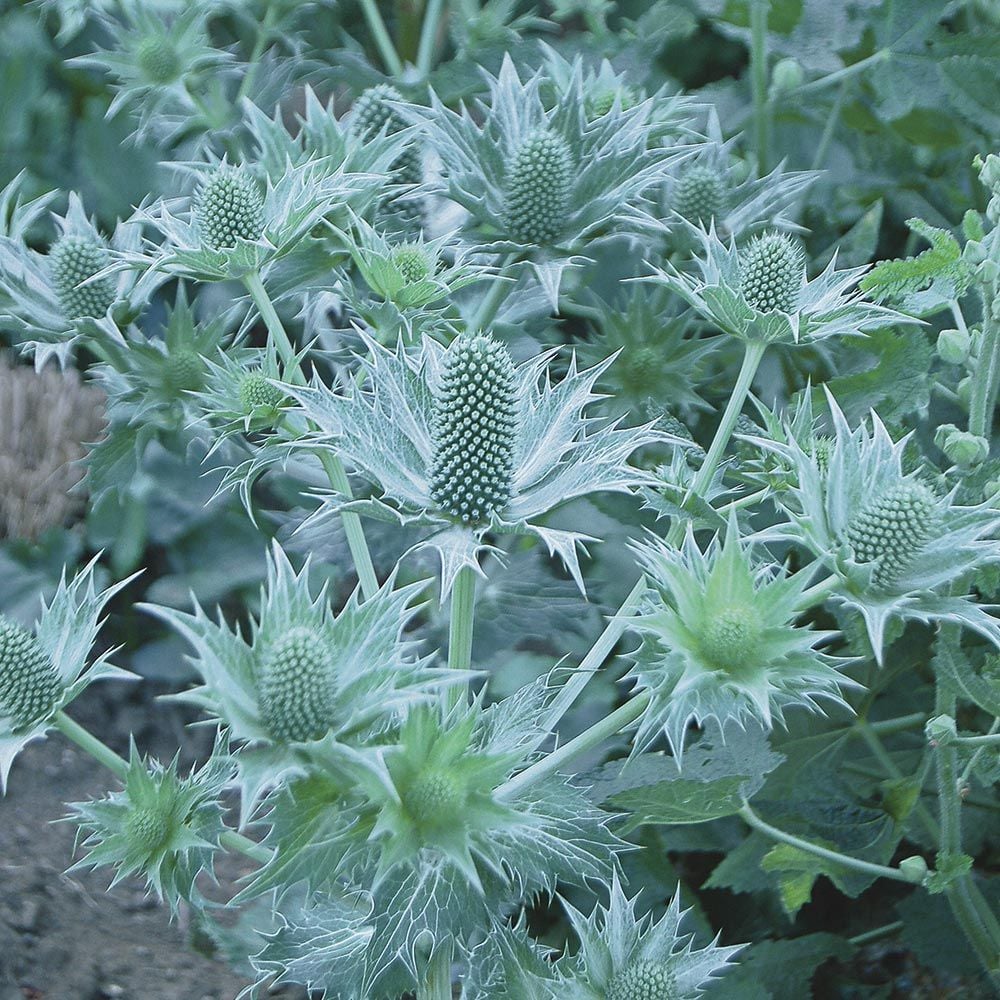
[(475, 426), (256, 390), (74, 259), (29, 684), (372, 113), (644, 981), (771, 272), (893, 528), (294, 688), (699, 194), (158, 59), (539, 176), (229, 206)]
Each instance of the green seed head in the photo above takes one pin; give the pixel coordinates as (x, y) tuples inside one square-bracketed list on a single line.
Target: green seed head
[(256, 390), (771, 272), (29, 685), (475, 423), (434, 799), (731, 638), (74, 259), (294, 687), (539, 176), (183, 370), (602, 101), (148, 827), (228, 207), (158, 59), (413, 262), (643, 981), (893, 528), (700, 194)]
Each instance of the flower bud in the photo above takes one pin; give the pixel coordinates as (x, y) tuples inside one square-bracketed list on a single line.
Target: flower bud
[(643, 981), (183, 370), (229, 207), (435, 798), (964, 449), (914, 868), (158, 59), (74, 259), (771, 272), (539, 176), (294, 687), (941, 730), (148, 828), (255, 390), (964, 391), (731, 638), (989, 171), (699, 194), (29, 684), (413, 262), (953, 346), (787, 75)]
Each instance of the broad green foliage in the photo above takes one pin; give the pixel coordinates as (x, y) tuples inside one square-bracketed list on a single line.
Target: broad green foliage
[(561, 438)]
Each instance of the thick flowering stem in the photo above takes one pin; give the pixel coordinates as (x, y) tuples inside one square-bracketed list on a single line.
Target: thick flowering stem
[(428, 36), (751, 362), (380, 35), (758, 78), (986, 377), (845, 860), (437, 978), (460, 629), (332, 465)]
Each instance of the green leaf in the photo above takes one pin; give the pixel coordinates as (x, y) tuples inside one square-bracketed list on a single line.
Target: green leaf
[(951, 664), (681, 801)]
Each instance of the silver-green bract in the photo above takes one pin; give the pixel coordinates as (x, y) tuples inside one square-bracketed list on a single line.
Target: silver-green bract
[(720, 641), (41, 673), (306, 682), (383, 427), (896, 547), (422, 831), (543, 182), (725, 292), (160, 825), (49, 301)]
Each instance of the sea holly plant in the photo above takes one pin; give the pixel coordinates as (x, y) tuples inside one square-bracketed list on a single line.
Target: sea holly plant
[(605, 502)]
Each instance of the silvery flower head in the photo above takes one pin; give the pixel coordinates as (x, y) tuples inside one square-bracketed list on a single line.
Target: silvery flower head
[(425, 831), (464, 441), (44, 669), (51, 300), (897, 546), (760, 291), (720, 640), (542, 183), (156, 58), (160, 825), (306, 682)]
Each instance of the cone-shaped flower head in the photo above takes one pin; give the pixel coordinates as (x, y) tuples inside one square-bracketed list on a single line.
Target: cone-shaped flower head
[(160, 825), (373, 114), (699, 194), (183, 369), (475, 427), (720, 641), (229, 207), (644, 981), (539, 181), (73, 260), (158, 59), (772, 270), (414, 262), (29, 684), (255, 390)]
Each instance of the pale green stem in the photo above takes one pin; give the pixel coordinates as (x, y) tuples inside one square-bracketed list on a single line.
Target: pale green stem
[(437, 978), (492, 300), (380, 35), (844, 860), (886, 727), (829, 128), (460, 628), (588, 740), (750, 500), (118, 766), (843, 74), (819, 592), (428, 36), (986, 377), (959, 316), (878, 934), (330, 461), (260, 43), (752, 357), (758, 79), (979, 741), (963, 779)]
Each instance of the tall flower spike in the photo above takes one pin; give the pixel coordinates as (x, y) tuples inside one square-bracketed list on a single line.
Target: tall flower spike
[(539, 181), (229, 207), (474, 428), (771, 273), (75, 260)]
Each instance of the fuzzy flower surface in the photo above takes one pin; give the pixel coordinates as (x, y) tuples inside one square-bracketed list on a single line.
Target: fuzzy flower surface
[(306, 683), (43, 670), (159, 825), (463, 441), (760, 291), (423, 831), (896, 546), (719, 641), (543, 182)]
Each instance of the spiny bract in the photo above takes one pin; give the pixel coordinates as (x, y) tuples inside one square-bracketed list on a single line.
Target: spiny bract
[(29, 684), (771, 272), (475, 423), (255, 390), (539, 177), (893, 528), (294, 687), (228, 207), (73, 260), (158, 59), (700, 194), (643, 981)]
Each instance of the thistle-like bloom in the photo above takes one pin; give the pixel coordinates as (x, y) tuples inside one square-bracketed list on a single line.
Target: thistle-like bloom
[(761, 292), (307, 682), (49, 301), (43, 670), (156, 59), (541, 182), (159, 825), (465, 442), (425, 833), (895, 545), (720, 641)]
